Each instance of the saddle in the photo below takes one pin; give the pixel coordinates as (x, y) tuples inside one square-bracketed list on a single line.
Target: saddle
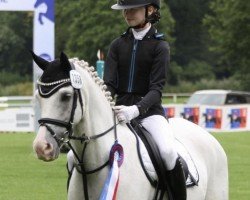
[(159, 180)]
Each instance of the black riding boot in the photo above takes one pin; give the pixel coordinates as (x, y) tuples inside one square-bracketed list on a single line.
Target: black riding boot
[(177, 181)]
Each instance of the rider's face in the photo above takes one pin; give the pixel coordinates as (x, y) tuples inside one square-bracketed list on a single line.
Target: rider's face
[(134, 16)]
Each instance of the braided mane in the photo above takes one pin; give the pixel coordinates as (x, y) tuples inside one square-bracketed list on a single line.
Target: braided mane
[(95, 77)]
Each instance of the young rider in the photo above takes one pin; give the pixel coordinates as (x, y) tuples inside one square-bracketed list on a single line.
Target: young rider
[(135, 71)]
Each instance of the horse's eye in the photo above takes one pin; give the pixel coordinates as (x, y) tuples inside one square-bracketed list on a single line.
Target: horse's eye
[(65, 97)]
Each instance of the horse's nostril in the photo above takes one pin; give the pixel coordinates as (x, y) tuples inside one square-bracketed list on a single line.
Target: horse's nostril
[(48, 148), (43, 148)]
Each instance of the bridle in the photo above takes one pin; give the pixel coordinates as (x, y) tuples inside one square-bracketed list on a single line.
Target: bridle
[(68, 134)]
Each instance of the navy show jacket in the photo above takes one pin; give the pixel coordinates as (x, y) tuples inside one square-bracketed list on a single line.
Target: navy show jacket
[(136, 71)]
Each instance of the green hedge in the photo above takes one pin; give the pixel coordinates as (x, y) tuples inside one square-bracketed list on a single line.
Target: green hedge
[(19, 89), (8, 78), (26, 88)]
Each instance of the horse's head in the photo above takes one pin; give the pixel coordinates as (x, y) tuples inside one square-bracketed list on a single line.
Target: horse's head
[(60, 100)]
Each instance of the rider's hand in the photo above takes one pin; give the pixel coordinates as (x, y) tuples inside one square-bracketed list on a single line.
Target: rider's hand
[(126, 113)]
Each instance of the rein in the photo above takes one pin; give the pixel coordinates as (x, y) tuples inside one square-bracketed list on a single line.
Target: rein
[(68, 136)]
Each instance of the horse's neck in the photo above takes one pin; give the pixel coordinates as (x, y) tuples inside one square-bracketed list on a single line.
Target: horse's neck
[(98, 114), (97, 118)]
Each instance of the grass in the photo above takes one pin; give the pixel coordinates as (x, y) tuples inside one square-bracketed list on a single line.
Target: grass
[(237, 147), (24, 177)]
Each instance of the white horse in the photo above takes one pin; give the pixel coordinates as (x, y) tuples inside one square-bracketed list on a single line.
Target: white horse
[(93, 115)]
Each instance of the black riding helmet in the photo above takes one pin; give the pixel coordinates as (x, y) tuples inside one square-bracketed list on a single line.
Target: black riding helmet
[(127, 4)]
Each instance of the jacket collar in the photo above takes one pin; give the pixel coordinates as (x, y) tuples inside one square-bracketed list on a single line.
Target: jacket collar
[(150, 34)]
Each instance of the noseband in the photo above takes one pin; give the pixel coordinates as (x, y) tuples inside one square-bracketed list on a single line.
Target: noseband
[(68, 125), (68, 134)]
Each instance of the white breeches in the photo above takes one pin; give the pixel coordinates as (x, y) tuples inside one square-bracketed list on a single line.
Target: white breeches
[(163, 135)]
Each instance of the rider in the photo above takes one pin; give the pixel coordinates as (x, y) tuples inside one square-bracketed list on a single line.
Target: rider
[(135, 71)]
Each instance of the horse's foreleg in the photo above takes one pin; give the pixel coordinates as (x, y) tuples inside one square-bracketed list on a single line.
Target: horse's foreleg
[(75, 190)]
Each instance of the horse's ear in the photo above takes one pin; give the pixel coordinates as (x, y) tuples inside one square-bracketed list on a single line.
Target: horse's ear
[(39, 61), (65, 62)]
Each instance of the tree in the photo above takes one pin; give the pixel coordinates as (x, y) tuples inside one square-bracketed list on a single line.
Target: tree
[(83, 27), (191, 36), (229, 28), (15, 41)]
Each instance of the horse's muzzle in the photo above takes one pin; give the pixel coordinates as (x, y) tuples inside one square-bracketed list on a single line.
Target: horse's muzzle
[(45, 150)]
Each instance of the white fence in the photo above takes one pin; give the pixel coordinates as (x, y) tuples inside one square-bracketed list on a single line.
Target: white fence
[(175, 96), (17, 115)]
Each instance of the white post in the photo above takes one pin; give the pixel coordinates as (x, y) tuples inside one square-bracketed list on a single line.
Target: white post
[(43, 34)]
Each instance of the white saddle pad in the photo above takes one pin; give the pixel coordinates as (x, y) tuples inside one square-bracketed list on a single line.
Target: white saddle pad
[(182, 151)]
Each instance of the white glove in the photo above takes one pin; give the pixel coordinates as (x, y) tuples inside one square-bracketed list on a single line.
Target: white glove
[(126, 113)]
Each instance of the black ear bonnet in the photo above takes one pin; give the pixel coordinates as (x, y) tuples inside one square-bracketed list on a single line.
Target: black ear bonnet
[(56, 74)]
